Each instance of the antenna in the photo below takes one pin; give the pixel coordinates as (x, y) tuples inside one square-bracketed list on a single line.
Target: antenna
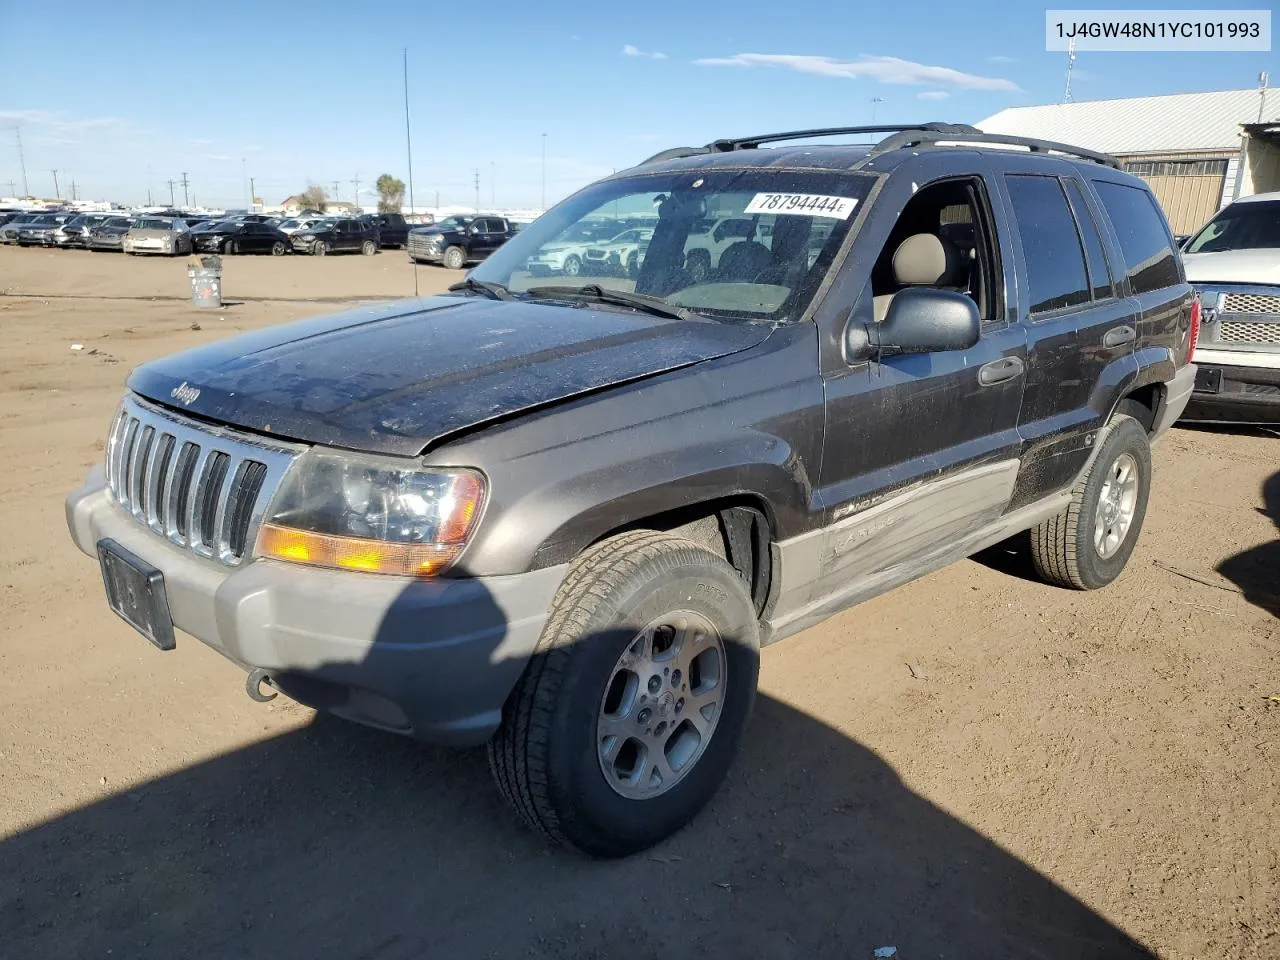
[(1071, 65), (408, 146), (1263, 79), (26, 192)]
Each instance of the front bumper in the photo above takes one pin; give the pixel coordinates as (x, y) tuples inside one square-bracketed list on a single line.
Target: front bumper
[(1245, 394), (433, 659), (432, 253), (104, 243)]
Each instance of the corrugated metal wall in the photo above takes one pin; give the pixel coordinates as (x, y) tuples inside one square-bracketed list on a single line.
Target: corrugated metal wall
[(1188, 186)]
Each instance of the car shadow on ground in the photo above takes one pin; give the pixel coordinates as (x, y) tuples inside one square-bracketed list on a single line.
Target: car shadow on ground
[(1257, 571), (338, 841)]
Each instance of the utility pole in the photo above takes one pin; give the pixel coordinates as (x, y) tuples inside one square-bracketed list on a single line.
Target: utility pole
[(73, 191), (355, 183), (477, 190), (244, 183), (335, 189), (1071, 65), (171, 182), (186, 197), (544, 173), (13, 189), (22, 161), (875, 102), (56, 192), (1263, 79), (437, 201), (252, 194), (493, 186)]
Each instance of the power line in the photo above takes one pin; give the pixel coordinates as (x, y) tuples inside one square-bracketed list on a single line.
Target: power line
[(186, 197)]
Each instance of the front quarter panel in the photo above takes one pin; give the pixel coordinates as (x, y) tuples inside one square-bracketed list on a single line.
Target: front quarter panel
[(747, 425)]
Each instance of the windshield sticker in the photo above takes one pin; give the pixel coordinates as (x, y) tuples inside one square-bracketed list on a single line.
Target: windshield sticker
[(802, 205)]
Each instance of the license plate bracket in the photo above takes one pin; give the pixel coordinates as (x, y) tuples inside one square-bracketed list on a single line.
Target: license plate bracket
[(1208, 380), (135, 591)]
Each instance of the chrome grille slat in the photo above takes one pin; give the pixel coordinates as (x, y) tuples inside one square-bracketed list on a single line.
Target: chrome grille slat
[(1234, 331), (204, 488), (1259, 303)]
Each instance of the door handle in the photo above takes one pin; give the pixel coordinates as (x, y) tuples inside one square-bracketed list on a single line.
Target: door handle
[(1000, 371), (1117, 336)]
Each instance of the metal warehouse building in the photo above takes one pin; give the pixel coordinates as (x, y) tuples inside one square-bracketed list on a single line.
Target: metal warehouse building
[(1199, 151)]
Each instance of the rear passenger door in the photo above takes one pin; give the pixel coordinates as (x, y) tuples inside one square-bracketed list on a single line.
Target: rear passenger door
[(1079, 329)]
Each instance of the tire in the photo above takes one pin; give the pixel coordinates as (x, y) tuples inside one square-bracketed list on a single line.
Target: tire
[(368, 248), (572, 265), (455, 258), (1065, 549), (277, 248), (230, 247), (547, 755), (319, 248), (698, 266), (633, 265)]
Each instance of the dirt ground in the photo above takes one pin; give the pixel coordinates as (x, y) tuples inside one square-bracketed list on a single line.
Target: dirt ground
[(973, 766)]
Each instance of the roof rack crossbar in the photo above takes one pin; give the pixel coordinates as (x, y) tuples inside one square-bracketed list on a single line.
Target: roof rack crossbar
[(915, 137), (750, 143)]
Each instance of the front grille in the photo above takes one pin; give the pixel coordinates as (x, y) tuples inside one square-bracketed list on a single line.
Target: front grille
[(1232, 331), (202, 488), (1250, 303)]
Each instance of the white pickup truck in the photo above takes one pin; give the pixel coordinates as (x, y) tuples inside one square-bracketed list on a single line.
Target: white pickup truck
[(1234, 263)]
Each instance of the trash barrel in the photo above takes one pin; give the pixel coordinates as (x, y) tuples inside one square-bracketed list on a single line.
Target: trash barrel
[(205, 274)]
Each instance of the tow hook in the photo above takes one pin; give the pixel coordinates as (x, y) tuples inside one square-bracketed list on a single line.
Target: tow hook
[(253, 686)]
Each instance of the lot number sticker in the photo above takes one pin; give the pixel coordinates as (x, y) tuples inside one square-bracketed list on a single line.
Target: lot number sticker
[(802, 205)]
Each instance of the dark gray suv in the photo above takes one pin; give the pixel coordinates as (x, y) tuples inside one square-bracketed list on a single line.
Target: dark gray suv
[(561, 517)]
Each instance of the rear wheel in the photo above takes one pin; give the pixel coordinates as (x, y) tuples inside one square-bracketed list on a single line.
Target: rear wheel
[(277, 248), (368, 248), (455, 258), (319, 248), (1087, 545), (231, 247), (629, 714)]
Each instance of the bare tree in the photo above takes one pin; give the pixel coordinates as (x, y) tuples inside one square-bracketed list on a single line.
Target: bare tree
[(390, 194), (313, 198)]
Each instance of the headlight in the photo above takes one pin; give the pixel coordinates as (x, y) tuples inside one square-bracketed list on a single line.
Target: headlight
[(356, 513)]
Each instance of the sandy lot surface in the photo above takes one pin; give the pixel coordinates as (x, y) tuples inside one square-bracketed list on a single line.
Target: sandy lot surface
[(973, 766)]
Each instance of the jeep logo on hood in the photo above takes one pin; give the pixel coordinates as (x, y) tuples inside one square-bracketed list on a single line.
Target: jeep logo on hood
[(184, 393)]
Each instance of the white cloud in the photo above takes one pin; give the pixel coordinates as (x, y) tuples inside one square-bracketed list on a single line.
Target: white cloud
[(1001, 58), (933, 95), (59, 123), (219, 157), (630, 50), (890, 70)]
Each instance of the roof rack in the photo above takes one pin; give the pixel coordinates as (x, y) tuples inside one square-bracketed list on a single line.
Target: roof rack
[(750, 143), (901, 137), (918, 137)]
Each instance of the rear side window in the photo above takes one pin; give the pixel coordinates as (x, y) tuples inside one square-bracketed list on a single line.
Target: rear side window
[(1144, 237), (1099, 274), (1050, 244)]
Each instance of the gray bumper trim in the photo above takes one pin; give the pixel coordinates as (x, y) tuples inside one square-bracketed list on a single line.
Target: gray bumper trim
[(435, 659), (1177, 395)]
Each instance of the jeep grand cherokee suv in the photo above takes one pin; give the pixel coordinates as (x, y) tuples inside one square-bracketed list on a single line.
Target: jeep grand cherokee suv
[(562, 518)]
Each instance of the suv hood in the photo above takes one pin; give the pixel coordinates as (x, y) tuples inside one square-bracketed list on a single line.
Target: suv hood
[(1234, 266), (397, 378)]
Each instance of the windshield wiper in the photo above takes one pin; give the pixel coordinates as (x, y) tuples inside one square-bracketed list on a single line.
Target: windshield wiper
[(599, 294), (494, 291)]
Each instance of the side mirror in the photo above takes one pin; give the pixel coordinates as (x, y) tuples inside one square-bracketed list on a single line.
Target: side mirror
[(920, 320)]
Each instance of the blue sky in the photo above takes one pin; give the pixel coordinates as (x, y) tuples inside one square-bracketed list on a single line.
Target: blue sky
[(119, 96)]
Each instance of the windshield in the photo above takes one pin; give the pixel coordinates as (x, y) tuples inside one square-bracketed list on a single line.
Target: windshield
[(1251, 225), (452, 223), (730, 243), (152, 225)]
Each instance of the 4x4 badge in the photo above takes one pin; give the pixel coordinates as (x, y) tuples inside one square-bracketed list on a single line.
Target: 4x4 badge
[(185, 393)]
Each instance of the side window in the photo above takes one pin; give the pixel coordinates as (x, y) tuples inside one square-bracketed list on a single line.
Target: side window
[(1144, 236), (1099, 273), (1050, 244)]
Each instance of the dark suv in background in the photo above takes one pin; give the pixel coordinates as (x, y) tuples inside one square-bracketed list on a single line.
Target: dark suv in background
[(457, 241), (349, 235), (561, 518), (393, 230)]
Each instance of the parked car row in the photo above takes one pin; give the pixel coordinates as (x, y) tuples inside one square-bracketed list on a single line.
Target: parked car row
[(173, 233)]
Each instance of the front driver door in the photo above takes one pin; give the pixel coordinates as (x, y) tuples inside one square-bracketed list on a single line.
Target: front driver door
[(921, 450)]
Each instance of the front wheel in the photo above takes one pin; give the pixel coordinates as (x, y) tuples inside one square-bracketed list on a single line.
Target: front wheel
[(277, 248), (1087, 545), (572, 265), (231, 247), (632, 707), (319, 248), (368, 248), (455, 258)]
